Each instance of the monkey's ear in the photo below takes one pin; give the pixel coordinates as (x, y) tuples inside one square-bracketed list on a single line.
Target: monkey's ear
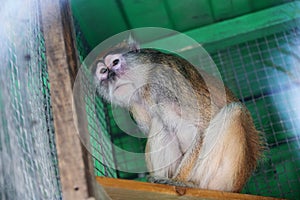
[(133, 44)]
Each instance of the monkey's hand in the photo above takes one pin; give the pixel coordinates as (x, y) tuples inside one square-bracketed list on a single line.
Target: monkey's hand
[(167, 181)]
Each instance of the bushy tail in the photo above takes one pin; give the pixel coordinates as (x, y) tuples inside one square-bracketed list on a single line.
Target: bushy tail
[(230, 150)]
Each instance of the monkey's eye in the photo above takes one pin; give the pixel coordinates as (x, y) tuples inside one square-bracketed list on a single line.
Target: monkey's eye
[(103, 70), (115, 62)]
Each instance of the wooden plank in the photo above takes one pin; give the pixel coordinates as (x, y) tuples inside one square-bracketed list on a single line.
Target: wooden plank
[(99, 19), (189, 14), (224, 9), (76, 172), (146, 13), (258, 5), (248, 27), (119, 189)]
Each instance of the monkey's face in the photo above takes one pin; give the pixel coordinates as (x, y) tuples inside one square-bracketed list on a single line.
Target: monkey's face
[(114, 79)]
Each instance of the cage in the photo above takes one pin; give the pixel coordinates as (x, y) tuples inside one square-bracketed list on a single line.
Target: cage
[(254, 44)]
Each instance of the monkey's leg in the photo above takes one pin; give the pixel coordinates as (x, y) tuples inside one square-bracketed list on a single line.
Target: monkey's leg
[(223, 158), (168, 181), (163, 153)]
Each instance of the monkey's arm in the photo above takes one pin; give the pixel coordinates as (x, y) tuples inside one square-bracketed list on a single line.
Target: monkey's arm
[(163, 153), (141, 116)]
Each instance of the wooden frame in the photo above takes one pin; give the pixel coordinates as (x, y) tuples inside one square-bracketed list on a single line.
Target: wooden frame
[(75, 166), (127, 189)]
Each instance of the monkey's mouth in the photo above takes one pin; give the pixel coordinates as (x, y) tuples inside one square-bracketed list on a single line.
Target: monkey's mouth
[(123, 86)]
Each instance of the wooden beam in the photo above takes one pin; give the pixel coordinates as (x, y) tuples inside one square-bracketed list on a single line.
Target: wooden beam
[(240, 29), (119, 189), (248, 27), (75, 166)]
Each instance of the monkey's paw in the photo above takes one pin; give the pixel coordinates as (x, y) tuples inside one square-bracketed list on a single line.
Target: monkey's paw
[(167, 181)]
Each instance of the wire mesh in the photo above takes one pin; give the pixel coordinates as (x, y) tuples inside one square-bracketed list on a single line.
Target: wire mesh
[(264, 74), (105, 135), (96, 114), (28, 163)]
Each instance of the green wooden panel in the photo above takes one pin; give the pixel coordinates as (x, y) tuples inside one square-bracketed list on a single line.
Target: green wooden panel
[(247, 27), (98, 19), (258, 5), (144, 13), (224, 9), (189, 14)]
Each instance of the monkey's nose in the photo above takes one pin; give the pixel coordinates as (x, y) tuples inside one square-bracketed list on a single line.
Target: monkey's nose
[(111, 75)]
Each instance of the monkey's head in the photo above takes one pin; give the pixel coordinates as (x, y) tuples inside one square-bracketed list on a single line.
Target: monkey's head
[(115, 73)]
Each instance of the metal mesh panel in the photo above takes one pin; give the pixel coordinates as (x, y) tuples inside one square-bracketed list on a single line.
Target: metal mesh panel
[(28, 164), (264, 74), (119, 139), (99, 116), (96, 114)]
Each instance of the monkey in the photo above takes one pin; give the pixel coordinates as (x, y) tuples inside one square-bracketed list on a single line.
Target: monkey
[(196, 137)]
